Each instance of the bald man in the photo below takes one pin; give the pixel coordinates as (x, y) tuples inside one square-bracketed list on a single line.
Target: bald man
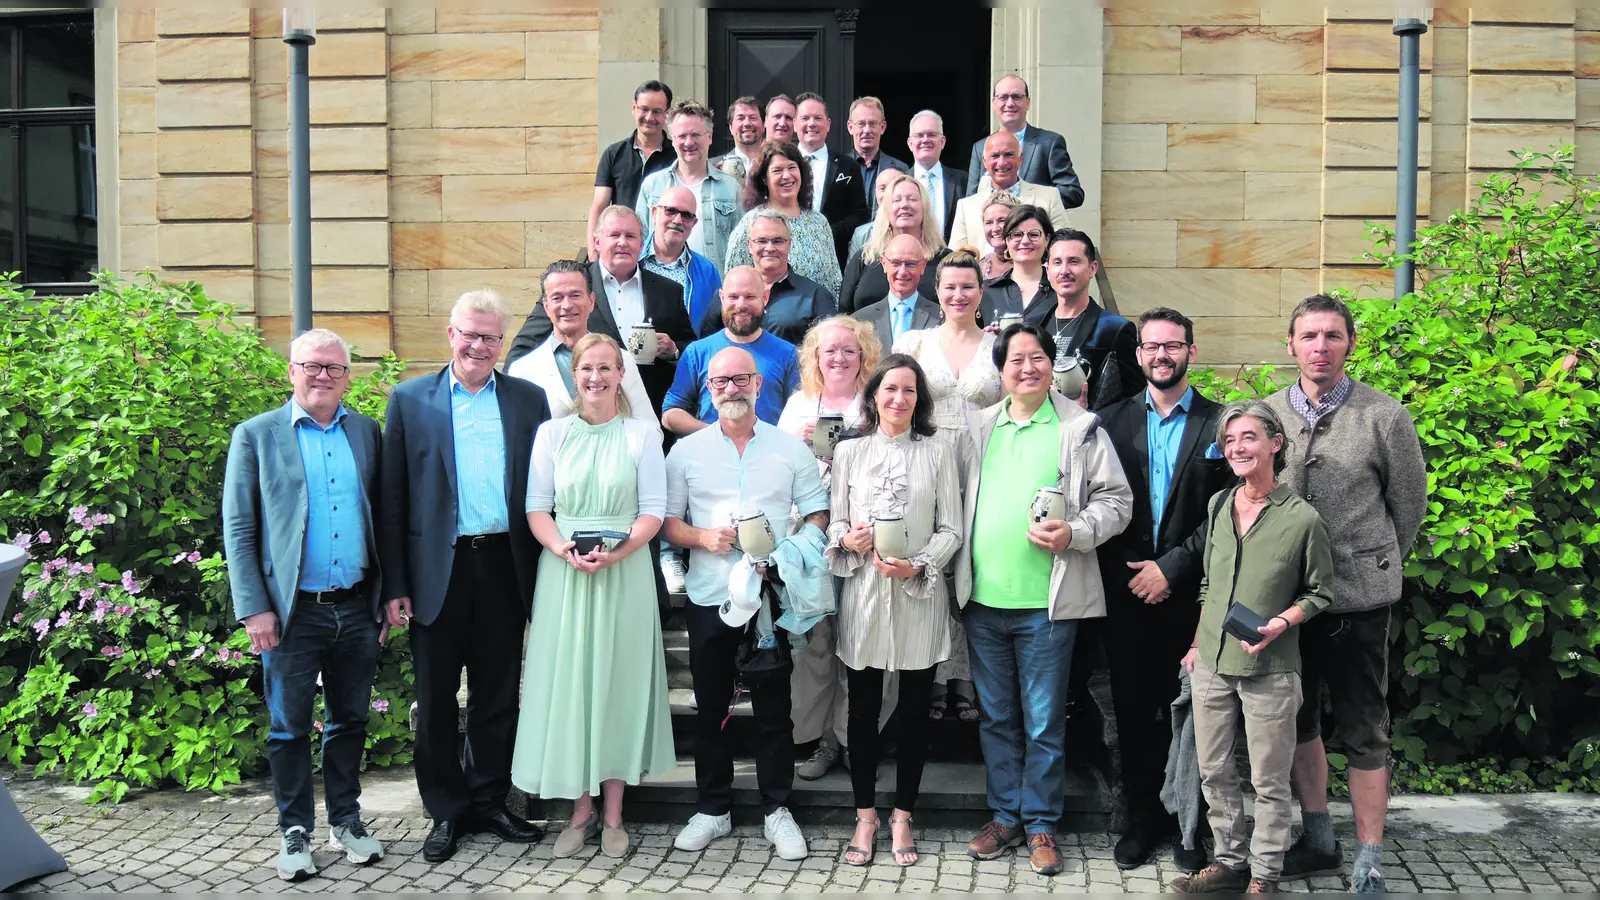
[(904, 309), (689, 406), (741, 466), (669, 253), (793, 300), (1002, 160), (1044, 153)]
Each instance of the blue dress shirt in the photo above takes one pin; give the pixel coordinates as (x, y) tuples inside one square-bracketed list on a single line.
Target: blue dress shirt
[(900, 314), (1165, 435), (480, 447), (336, 540)]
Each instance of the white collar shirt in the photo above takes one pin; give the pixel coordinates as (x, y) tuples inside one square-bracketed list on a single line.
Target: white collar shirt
[(933, 179), (626, 298), (819, 172)]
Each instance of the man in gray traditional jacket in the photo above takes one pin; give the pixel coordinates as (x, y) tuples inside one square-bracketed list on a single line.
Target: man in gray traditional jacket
[(1353, 454)]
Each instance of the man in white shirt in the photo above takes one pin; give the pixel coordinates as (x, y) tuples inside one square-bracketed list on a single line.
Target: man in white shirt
[(1001, 157), (945, 185), (744, 123), (835, 180), (738, 466)]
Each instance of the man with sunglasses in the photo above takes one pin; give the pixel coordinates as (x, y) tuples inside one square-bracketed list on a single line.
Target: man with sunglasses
[(717, 208), (298, 506), (668, 252)]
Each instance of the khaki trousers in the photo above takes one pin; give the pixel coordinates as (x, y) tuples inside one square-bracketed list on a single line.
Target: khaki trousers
[(821, 700), (1268, 705)]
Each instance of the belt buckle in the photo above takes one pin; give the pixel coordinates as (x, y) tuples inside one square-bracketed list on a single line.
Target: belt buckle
[(328, 602), (478, 540)]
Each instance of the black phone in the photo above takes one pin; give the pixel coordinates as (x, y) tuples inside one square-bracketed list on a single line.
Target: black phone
[(1244, 623), (589, 541)]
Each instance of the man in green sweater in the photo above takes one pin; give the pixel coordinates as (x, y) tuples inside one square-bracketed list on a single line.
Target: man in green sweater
[(1353, 455)]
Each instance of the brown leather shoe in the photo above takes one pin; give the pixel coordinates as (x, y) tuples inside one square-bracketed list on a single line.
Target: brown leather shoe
[(994, 839), (1213, 879), (1043, 855), (1262, 886)]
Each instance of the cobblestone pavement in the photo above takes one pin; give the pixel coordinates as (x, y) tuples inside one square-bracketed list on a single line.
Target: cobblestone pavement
[(170, 841)]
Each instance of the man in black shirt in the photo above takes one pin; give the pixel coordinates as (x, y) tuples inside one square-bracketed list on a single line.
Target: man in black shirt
[(624, 165)]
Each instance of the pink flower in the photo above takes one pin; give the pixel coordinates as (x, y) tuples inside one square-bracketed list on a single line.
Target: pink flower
[(16, 619), (112, 652), (317, 725), (380, 705), (44, 574), (44, 537), (90, 710), (24, 540), (41, 628), (237, 656), (29, 595), (151, 674), (222, 655), (129, 584), (78, 513), (194, 556), (63, 619), (85, 595), (172, 662)]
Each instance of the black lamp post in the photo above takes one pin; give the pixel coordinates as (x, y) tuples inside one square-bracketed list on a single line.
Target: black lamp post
[(1410, 23), (300, 32)]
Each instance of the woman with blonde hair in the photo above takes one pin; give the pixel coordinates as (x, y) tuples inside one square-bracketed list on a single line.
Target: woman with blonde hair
[(595, 714), (995, 260), (906, 208)]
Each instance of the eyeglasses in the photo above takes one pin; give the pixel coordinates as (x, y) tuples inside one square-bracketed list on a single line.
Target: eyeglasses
[(654, 111), (769, 242), (472, 337), (1173, 348), (1030, 236), (841, 352), (691, 135), (671, 211), (901, 263), (718, 382), (1011, 98), (925, 135), (335, 371)]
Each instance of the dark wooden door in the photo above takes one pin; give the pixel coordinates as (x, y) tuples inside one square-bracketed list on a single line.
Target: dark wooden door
[(762, 53)]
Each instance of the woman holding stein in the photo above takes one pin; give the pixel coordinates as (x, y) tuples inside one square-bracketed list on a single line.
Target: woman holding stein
[(896, 504), (1268, 568), (594, 693)]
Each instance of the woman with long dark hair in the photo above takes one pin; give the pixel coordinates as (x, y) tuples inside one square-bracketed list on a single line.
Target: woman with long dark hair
[(896, 507), (781, 180)]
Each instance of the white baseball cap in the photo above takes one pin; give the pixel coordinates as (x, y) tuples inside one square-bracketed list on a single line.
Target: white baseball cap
[(744, 595)]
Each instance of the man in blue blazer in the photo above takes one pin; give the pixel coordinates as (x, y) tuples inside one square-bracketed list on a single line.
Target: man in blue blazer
[(459, 559), (1044, 153), (298, 510)]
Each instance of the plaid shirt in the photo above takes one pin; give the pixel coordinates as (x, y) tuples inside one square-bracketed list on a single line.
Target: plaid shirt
[(1313, 412)]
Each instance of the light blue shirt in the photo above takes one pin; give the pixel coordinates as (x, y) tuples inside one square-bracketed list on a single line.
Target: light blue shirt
[(900, 314), (709, 485), (336, 539), (1164, 436), (480, 447)]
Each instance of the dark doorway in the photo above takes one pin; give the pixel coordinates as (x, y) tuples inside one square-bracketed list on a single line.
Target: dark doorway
[(910, 62)]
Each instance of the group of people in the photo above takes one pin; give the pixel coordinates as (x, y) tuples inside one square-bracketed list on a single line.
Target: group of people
[(966, 475)]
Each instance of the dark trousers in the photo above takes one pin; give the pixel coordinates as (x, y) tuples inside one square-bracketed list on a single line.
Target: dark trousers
[(338, 641), (711, 649), (1144, 647), (480, 627), (915, 694)]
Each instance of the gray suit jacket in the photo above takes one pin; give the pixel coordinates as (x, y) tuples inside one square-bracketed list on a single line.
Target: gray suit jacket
[(264, 511), (923, 315), (1044, 161)]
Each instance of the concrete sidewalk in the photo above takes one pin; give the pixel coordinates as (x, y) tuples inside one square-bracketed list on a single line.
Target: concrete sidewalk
[(171, 841)]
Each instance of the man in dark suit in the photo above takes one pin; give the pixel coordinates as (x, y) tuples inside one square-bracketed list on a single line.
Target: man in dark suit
[(458, 556), (837, 180), (866, 126), (946, 186), (626, 294), (903, 310), (298, 502), (1083, 328), (1044, 153), (1152, 570)]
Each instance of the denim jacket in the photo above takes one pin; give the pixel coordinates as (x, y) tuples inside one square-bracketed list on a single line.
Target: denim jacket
[(720, 208)]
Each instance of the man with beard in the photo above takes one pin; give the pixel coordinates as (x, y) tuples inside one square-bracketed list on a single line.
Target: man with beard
[(1152, 570), (793, 300), (689, 406), (717, 207), (748, 131), (669, 255), (1083, 328), (741, 465)]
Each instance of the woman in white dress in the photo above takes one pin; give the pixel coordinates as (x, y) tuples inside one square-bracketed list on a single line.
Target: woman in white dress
[(836, 358), (957, 358), (894, 609)]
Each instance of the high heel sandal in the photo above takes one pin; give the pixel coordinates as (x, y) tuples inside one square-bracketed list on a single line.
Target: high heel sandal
[(863, 854), (903, 856)]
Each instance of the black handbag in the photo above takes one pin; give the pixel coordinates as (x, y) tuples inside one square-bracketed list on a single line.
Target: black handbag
[(758, 662)]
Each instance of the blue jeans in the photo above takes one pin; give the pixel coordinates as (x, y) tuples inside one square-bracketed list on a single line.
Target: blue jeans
[(1021, 655), (340, 642)]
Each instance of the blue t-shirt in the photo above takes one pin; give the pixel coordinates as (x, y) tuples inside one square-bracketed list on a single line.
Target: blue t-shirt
[(776, 360)]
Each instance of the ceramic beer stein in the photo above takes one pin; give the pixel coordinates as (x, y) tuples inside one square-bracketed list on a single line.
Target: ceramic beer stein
[(889, 537), (1006, 320), (755, 535), (1049, 505), (823, 439), (642, 344), (1070, 376)]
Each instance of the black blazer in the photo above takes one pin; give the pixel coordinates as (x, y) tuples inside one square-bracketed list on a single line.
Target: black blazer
[(1195, 480), (417, 534), (923, 315), (1044, 161), (865, 284), (844, 204), (663, 306), (794, 304), (955, 187), (1105, 340), (1002, 295)]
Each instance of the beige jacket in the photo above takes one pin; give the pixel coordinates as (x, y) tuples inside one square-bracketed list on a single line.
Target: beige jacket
[(1099, 505), (967, 229)]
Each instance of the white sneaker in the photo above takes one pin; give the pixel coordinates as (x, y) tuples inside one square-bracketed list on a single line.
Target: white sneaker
[(673, 570), (702, 830), (785, 835)]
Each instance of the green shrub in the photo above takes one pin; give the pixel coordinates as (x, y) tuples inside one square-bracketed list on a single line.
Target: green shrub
[(115, 416)]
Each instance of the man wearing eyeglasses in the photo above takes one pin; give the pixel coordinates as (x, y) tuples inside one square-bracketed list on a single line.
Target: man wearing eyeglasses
[(1001, 161), (298, 506), (716, 209), (1152, 573), (625, 164), (459, 559), (793, 300), (1044, 153), (689, 405)]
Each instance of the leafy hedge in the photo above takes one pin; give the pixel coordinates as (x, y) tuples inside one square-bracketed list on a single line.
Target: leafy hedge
[(122, 665), (1496, 355)]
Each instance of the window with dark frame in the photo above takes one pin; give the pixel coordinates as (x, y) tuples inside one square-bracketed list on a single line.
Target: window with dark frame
[(49, 224)]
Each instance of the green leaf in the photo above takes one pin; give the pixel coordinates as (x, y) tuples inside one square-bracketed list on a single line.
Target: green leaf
[(33, 445)]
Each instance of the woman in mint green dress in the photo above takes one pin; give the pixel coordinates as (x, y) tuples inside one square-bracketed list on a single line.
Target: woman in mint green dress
[(595, 714)]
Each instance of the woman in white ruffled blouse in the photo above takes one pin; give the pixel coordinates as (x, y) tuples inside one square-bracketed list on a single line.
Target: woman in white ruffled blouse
[(893, 612)]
